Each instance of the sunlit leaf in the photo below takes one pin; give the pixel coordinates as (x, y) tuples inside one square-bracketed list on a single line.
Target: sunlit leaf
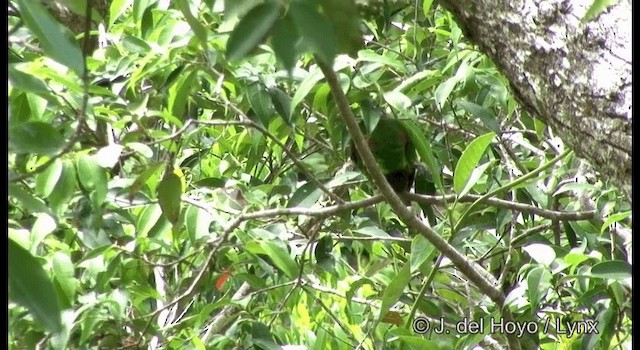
[(64, 274), (108, 156), (30, 287), (35, 137), (444, 90), (469, 161), (92, 177), (26, 81), (55, 39), (194, 23), (372, 56), (596, 8), (541, 253), (47, 180), (305, 87), (615, 269), (65, 187)]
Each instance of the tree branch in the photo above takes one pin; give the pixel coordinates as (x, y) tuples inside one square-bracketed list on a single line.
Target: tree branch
[(511, 205), (478, 275)]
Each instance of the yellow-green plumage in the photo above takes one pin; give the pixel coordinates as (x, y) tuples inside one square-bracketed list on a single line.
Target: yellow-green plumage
[(394, 153)]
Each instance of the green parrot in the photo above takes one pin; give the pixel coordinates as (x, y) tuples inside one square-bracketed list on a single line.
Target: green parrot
[(394, 152)]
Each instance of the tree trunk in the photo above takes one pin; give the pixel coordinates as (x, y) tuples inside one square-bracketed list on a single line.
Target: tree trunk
[(574, 76)]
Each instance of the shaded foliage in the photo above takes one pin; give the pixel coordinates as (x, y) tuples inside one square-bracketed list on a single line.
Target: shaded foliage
[(189, 185)]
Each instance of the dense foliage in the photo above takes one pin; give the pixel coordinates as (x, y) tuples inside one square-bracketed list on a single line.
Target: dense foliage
[(187, 184)]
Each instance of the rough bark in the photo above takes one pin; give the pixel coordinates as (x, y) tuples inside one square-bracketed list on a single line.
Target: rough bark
[(77, 22), (574, 76)]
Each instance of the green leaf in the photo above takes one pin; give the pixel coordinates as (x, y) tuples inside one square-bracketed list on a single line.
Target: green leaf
[(162, 228), (371, 231), (35, 138), (444, 90), (372, 56), (26, 82), (416, 82), (397, 100), (260, 102), (284, 39), (538, 283), (496, 86), (305, 196), (117, 8), (169, 193), (315, 30), (426, 6), (143, 179), (197, 222), (92, 177), (65, 188), (596, 8), (475, 176), (539, 127), (613, 218), (394, 290), (212, 182), (469, 160), (148, 219), (342, 178), (282, 103), (64, 274), (235, 8), (262, 337), (30, 287), (615, 269), (196, 26), (305, 87), (179, 93), (252, 29), (541, 253), (27, 200), (424, 150), (46, 181), (606, 324), (345, 21), (20, 108), (140, 148), (134, 44), (421, 250), (486, 116), (42, 227), (56, 40), (278, 253), (354, 286)]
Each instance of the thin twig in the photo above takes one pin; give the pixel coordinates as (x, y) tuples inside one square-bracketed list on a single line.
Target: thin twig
[(502, 203), (476, 273)]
